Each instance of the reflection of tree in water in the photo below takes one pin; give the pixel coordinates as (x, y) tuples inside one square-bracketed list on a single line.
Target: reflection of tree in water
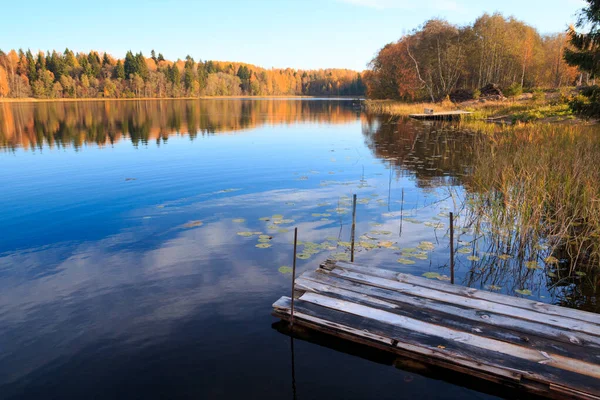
[(497, 252), (34, 125), (436, 153)]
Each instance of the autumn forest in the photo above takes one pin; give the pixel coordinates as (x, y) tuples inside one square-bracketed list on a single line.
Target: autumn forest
[(428, 64)]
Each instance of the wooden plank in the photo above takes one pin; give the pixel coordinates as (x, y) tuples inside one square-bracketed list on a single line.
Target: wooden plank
[(565, 323), (470, 292), (415, 325), (591, 343), (434, 315), (454, 355)]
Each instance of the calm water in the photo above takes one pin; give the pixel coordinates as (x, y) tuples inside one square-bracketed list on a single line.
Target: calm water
[(129, 265)]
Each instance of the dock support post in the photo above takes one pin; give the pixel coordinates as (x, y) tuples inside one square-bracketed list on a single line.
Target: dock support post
[(353, 228), (294, 277), (451, 248)]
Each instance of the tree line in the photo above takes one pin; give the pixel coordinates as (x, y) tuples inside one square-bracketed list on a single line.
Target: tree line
[(99, 75), (439, 58)]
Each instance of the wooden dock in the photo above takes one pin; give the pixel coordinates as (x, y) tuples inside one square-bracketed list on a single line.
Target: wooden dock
[(444, 116), (539, 348)]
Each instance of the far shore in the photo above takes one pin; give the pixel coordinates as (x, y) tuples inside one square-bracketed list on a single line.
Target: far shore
[(83, 99)]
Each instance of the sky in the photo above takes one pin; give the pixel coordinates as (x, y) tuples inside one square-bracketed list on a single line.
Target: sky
[(305, 34)]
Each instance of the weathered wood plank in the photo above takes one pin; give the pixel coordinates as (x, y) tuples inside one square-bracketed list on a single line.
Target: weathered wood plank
[(532, 355), (455, 322), (566, 323), (470, 292), (455, 355), (591, 344)]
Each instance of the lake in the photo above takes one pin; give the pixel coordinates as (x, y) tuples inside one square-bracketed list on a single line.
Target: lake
[(144, 242)]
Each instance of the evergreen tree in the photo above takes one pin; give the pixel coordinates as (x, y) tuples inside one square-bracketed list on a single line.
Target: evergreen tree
[(586, 52), (31, 70), (153, 56), (119, 71), (160, 57), (129, 65), (105, 60)]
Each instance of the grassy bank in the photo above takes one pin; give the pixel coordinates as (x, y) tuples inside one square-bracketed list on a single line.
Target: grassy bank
[(508, 111), (535, 189)]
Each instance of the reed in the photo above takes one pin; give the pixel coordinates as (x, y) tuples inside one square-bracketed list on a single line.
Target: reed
[(537, 189)]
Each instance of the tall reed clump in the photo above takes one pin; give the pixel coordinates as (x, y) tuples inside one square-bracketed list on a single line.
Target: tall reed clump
[(538, 187)]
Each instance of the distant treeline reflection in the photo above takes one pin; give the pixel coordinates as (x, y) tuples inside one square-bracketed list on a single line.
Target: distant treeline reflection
[(64, 124)]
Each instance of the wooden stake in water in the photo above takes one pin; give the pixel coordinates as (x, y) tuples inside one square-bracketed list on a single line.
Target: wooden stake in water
[(452, 248), (294, 276), (353, 228)]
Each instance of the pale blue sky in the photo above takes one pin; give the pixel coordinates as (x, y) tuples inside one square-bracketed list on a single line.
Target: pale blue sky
[(269, 33)]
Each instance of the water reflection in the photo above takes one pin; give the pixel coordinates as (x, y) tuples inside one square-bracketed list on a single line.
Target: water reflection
[(109, 285), (75, 124)]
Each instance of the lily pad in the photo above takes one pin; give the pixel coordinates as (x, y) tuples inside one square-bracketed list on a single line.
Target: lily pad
[(431, 275), (494, 287), (193, 224), (551, 260), (386, 244), (285, 269), (245, 234), (532, 265), (405, 261), (263, 245), (239, 220), (265, 237), (473, 258), (464, 250), (303, 256), (524, 292)]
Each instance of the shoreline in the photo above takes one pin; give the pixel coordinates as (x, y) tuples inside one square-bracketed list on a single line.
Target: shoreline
[(88, 99), (521, 110)]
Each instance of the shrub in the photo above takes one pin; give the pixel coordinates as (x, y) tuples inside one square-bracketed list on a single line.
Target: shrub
[(587, 102), (513, 90)]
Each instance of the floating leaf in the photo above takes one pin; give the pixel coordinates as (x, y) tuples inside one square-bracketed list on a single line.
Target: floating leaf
[(265, 237), (386, 244), (464, 250), (265, 218), (405, 261), (524, 292), (285, 269), (303, 256), (277, 216), (245, 234), (431, 275), (427, 246), (504, 256), (283, 230), (340, 256), (532, 265), (551, 260), (193, 224), (344, 244), (239, 220), (263, 245), (473, 258), (494, 287)]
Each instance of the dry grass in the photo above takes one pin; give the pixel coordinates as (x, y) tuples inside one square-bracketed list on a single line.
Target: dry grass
[(537, 187), (525, 110)]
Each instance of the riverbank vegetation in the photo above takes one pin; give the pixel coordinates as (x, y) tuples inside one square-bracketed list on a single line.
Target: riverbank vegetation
[(439, 58), (534, 188), (56, 75)]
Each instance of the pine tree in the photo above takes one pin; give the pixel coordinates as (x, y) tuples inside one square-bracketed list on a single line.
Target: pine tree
[(586, 53), (130, 64), (31, 70), (119, 72)]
